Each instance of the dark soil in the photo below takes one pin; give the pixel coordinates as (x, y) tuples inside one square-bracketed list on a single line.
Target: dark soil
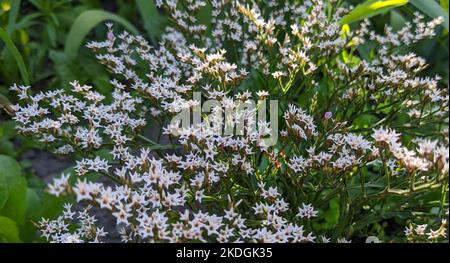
[(46, 165)]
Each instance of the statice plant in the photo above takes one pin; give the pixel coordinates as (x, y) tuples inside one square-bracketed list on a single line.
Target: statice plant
[(266, 124)]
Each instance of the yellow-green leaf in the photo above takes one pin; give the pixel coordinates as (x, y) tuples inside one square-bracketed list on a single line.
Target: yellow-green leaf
[(371, 8), (8, 231)]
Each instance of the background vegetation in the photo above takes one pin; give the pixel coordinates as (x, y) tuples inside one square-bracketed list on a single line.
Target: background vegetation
[(42, 45)]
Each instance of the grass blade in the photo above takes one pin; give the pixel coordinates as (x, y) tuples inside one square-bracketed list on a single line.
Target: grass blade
[(432, 9), (16, 54), (369, 9), (13, 13), (85, 22)]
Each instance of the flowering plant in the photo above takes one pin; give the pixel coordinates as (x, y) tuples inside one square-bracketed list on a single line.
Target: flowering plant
[(353, 140)]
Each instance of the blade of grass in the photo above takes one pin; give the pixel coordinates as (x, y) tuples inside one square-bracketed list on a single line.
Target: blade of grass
[(26, 21), (369, 9), (16, 54), (13, 13), (85, 22)]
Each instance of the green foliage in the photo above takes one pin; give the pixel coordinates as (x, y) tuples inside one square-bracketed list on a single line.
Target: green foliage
[(371, 8), (12, 197), (153, 21), (432, 9), (18, 58), (15, 7), (444, 4), (84, 23), (21, 204), (40, 43), (8, 230)]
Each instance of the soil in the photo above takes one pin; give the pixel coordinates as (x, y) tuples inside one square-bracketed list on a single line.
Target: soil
[(46, 165)]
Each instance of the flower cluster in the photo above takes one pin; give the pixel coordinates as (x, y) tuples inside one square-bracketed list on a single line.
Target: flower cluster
[(425, 232), (206, 183), (57, 231)]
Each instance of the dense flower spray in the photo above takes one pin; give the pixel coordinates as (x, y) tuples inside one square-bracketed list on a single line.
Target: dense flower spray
[(202, 184)]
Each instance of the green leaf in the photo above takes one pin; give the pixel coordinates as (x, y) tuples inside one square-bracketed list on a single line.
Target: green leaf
[(369, 9), (33, 203), (26, 21), (332, 215), (8, 231), (397, 21), (9, 167), (7, 130), (85, 22), (51, 32), (432, 9), (204, 15), (16, 54), (52, 205), (153, 22), (7, 148), (14, 207), (33, 212), (13, 13), (444, 4), (63, 66), (4, 193)]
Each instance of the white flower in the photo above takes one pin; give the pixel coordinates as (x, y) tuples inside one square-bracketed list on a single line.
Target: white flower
[(420, 229), (306, 211), (83, 190), (59, 185), (122, 215)]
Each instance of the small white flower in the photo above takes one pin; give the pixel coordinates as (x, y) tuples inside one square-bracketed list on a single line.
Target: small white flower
[(307, 211)]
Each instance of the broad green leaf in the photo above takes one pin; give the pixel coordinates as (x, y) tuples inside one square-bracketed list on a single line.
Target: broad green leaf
[(444, 4), (85, 22), (52, 205), (8, 231), (7, 148), (33, 203), (16, 54), (432, 9), (371, 8), (153, 22), (7, 130), (9, 167), (15, 206), (397, 21), (33, 211)]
